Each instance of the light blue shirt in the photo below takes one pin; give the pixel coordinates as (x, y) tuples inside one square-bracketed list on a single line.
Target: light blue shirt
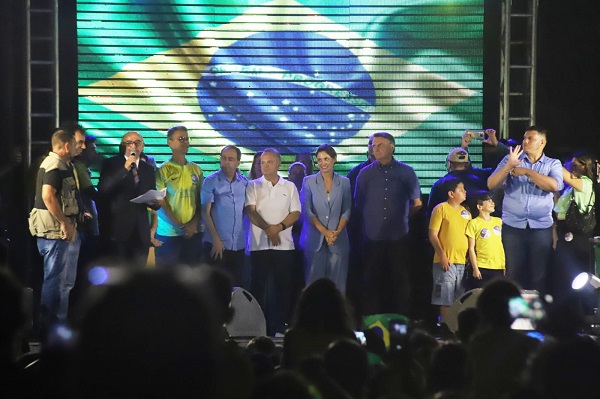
[(524, 202), (228, 199)]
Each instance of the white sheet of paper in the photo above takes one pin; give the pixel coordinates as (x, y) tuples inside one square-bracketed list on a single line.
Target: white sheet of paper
[(150, 197)]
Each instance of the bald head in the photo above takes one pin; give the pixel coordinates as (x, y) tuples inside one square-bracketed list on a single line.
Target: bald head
[(132, 142)]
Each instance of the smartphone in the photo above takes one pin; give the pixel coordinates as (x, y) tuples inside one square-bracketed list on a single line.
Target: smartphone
[(360, 336), (476, 134), (527, 310), (398, 328)]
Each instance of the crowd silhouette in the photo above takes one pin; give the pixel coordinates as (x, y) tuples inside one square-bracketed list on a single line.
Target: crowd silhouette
[(160, 334)]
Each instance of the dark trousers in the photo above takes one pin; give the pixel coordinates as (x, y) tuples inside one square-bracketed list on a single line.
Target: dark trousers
[(232, 262), (487, 275), (179, 250), (271, 279), (527, 256), (386, 281), (131, 253)]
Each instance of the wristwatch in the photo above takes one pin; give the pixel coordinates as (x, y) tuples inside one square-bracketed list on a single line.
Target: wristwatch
[(283, 227)]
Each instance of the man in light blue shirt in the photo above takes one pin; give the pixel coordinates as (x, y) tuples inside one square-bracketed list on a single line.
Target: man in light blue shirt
[(529, 179), (223, 197)]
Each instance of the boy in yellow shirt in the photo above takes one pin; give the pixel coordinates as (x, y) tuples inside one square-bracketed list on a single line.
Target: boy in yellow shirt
[(447, 236), (484, 233)]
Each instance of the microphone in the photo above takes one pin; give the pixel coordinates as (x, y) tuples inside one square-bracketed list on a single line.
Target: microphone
[(133, 165)]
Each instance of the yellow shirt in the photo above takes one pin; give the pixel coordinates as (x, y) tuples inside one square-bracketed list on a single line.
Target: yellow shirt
[(451, 224), (183, 183), (488, 242)]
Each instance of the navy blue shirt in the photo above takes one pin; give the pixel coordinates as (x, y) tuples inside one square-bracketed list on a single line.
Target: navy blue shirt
[(383, 195), (474, 180), (353, 174)]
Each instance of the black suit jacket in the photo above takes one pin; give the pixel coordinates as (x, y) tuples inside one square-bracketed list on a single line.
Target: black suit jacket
[(122, 218)]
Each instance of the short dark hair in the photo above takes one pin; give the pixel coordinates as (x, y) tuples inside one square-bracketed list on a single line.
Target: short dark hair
[(386, 136), (61, 137), (300, 164), (326, 148), (451, 184), (492, 304), (540, 129), (70, 127), (237, 151), (481, 196), (174, 129)]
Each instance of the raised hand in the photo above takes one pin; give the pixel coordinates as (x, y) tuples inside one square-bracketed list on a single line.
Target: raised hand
[(466, 140), (514, 155), (491, 138)]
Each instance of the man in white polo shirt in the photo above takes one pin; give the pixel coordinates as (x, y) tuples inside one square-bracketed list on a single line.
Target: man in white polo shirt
[(273, 206)]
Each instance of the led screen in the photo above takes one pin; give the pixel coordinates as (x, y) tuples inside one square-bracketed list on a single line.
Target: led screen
[(285, 74)]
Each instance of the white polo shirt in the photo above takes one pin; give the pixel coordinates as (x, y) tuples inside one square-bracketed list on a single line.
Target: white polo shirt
[(273, 203)]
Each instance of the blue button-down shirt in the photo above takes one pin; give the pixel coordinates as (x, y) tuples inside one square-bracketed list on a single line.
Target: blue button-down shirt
[(228, 199), (524, 202), (383, 195)]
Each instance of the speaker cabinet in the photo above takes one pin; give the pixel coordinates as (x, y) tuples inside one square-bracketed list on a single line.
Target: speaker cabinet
[(248, 319), (467, 300)]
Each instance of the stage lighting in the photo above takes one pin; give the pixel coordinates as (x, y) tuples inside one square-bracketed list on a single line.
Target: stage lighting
[(582, 282), (584, 279)]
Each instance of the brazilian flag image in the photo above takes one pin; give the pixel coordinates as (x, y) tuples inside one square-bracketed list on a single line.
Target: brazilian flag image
[(285, 74)]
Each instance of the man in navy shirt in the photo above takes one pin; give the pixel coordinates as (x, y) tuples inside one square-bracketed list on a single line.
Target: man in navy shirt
[(387, 193)]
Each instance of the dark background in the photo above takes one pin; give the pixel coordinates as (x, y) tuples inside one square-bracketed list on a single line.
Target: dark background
[(567, 99)]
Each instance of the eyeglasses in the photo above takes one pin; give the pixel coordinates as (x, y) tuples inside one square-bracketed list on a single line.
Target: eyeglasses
[(136, 143), (183, 139)]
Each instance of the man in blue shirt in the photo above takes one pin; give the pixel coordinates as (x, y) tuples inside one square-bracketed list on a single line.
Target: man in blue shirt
[(387, 193), (223, 197), (529, 179)]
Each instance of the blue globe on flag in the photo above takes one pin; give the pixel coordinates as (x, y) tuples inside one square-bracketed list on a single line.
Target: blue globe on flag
[(290, 89)]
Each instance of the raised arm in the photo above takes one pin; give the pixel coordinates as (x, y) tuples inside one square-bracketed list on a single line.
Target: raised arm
[(506, 166), (551, 182)]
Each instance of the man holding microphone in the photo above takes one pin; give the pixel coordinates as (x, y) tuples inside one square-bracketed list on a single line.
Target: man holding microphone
[(126, 224)]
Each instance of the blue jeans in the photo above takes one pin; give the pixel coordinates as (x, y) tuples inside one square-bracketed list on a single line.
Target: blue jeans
[(60, 271), (527, 255), (448, 285)]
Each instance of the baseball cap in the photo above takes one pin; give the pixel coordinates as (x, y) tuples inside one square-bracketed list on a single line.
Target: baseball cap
[(458, 155)]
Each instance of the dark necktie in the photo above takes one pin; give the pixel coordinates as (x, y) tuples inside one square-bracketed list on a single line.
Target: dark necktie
[(136, 175)]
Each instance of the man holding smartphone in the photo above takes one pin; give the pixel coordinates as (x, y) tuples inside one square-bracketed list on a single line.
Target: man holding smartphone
[(458, 164)]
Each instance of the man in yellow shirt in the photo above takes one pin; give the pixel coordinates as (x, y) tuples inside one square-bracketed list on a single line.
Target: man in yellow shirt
[(179, 218)]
